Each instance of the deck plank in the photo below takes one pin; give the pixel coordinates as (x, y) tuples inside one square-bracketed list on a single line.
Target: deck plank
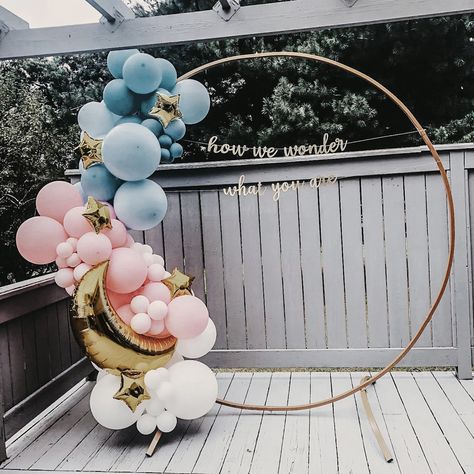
[(242, 446), (267, 450)]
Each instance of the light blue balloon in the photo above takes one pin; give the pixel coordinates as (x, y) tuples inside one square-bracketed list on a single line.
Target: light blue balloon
[(131, 152), (129, 119), (165, 141), (147, 104), (81, 191), (194, 101), (118, 98), (140, 205), (166, 156), (169, 75), (153, 125), (96, 119), (176, 129), (142, 73), (116, 60), (176, 150), (98, 182)]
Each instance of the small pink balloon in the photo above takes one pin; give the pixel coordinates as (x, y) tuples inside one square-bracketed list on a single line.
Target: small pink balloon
[(157, 310), (163, 334), (81, 270), (187, 317), (157, 292), (64, 277), (139, 304), (56, 198), (127, 271), (141, 323), (111, 209), (156, 328), (70, 290), (61, 262), (158, 259), (148, 258), (156, 272), (129, 242), (37, 239), (64, 250), (118, 299), (73, 242), (74, 260), (94, 248), (75, 223), (125, 313), (117, 235)]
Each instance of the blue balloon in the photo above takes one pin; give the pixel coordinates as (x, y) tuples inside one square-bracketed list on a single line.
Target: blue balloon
[(194, 101), (142, 73), (81, 191), (166, 156), (98, 182), (118, 98), (96, 119), (153, 125), (147, 104), (165, 141), (176, 129), (140, 205), (116, 60), (131, 152), (169, 75), (129, 119), (176, 150)]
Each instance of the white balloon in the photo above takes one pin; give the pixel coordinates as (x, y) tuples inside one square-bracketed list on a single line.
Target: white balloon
[(195, 389), (155, 377), (109, 412), (153, 406), (146, 424), (96, 119), (175, 358), (199, 345), (165, 391), (166, 422)]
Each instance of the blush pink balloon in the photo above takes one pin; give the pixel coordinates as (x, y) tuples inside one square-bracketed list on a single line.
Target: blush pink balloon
[(117, 299), (127, 271), (187, 317), (157, 291), (129, 242), (156, 328), (94, 248), (70, 290), (61, 262), (64, 277), (56, 198), (37, 239), (125, 313), (75, 223), (81, 270), (117, 235)]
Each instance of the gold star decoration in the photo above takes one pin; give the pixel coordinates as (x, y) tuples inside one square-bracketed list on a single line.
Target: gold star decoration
[(97, 214), (178, 283), (166, 109), (132, 389), (90, 150)]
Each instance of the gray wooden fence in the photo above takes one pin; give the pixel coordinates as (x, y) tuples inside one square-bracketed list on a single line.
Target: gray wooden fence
[(335, 276)]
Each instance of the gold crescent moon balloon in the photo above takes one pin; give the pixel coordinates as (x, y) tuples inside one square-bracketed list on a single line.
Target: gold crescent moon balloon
[(110, 343)]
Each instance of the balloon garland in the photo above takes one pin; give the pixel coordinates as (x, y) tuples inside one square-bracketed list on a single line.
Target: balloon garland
[(135, 320)]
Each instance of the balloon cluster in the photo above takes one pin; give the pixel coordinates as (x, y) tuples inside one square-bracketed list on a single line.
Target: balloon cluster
[(136, 127), (135, 320)]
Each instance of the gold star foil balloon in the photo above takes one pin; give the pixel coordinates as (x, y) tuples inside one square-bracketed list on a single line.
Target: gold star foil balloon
[(132, 389), (97, 214), (178, 283), (166, 108), (90, 150)]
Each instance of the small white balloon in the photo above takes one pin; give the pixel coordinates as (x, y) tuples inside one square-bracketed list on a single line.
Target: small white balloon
[(165, 391), (166, 422), (146, 424), (148, 259), (175, 358), (137, 246), (109, 412), (158, 310), (139, 304), (158, 259), (147, 249), (156, 272), (141, 323), (154, 407), (199, 345), (155, 377), (195, 389)]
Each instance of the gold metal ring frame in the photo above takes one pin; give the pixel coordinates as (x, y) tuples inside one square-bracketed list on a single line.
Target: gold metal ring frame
[(429, 315)]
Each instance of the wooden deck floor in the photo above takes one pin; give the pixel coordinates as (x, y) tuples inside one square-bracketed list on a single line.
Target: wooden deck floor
[(427, 418)]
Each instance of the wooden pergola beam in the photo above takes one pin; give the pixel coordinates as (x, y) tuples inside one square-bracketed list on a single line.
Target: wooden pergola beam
[(112, 10), (9, 21), (257, 20)]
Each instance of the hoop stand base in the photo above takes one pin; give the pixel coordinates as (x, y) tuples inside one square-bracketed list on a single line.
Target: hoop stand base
[(154, 443), (373, 423)]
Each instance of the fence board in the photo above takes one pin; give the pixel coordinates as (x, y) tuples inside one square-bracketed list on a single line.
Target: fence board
[(172, 233), (154, 237)]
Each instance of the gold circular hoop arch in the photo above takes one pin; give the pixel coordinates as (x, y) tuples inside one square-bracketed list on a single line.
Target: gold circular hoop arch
[(449, 197)]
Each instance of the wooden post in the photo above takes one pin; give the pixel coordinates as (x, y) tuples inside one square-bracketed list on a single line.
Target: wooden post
[(153, 444), (3, 449)]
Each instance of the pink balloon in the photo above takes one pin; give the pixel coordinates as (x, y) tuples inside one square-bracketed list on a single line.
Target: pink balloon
[(75, 223), (64, 277), (157, 327), (141, 323), (61, 262), (81, 270), (129, 242), (94, 248), (125, 313), (187, 317), (37, 239), (117, 299), (70, 290), (56, 198), (127, 271), (117, 235), (73, 260), (157, 291)]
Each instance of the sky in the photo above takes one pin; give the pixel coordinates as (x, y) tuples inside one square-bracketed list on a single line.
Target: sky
[(41, 13)]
